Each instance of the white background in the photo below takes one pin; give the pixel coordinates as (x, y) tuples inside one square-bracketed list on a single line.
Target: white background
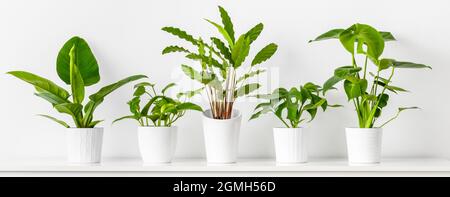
[(126, 39)]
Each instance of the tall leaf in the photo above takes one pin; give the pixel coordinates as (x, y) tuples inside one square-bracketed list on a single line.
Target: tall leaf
[(227, 23), (332, 34), (84, 59), (172, 49), (265, 54), (76, 80), (64, 124), (254, 32), (41, 84), (246, 89), (222, 48), (240, 51), (223, 32)]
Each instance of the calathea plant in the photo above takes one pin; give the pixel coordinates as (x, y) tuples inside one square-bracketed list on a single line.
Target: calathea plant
[(290, 106), (369, 100), (77, 67), (219, 60), (158, 109)]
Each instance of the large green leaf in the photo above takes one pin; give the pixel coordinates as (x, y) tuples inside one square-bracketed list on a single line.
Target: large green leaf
[(84, 59), (227, 23), (181, 34), (254, 32), (363, 34), (205, 59), (344, 71), (355, 88), (72, 109), (42, 85), (103, 92), (240, 51), (265, 54), (76, 80), (53, 99)]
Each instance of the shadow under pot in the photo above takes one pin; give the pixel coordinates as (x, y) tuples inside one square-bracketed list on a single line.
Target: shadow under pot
[(290, 145), (84, 145), (364, 145), (221, 137), (157, 144)]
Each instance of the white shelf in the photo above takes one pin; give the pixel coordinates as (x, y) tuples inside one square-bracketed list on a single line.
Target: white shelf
[(244, 167)]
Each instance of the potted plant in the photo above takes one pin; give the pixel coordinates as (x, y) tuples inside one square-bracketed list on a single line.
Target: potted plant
[(364, 142), (77, 67), (156, 134), (290, 106), (219, 61)]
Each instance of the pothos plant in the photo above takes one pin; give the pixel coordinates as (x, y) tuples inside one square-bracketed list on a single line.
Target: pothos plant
[(159, 109), (368, 100), (76, 66), (290, 106), (219, 59)]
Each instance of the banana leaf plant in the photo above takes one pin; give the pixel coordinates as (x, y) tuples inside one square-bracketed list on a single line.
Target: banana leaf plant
[(220, 58), (368, 100), (289, 106), (158, 110), (76, 66)]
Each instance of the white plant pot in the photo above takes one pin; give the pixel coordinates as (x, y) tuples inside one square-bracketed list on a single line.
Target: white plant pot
[(221, 137), (290, 145), (157, 144), (364, 145), (84, 145)]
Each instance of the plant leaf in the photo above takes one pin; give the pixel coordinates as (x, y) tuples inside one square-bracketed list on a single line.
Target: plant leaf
[(103, 92), (181, 34), (250, 74), (224, 33), (173, 49), (328, 85), (204, 59), (188, 106), (227, 23), (332, 34), (190, 94), (222, 48), (399, 64), (398, 113), (265, 54), (84, 59), (168, 86), (195, 75), (254, 32), (64, 124), (123, 118), (53, 99), (355, 88), (94, 123), (344, 71), (41, 84), (387, 36), (76, 80), (240, 51)]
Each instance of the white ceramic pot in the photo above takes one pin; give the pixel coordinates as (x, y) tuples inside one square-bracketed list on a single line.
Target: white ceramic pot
[(84, 145), (290, 145), (157, 144), (221, 137), (364, 145)]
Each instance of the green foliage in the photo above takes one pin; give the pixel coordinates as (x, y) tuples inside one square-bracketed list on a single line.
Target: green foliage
[(369, 43), (229, 51), (158, 109), (289, 105), (77, 67)]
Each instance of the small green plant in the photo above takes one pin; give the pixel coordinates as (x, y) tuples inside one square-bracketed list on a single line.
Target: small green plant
[(77, 67), (289, 106), (369, 101), (159, 110), (219, 61)]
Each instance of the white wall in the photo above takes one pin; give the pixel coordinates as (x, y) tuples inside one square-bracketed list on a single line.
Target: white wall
[(126, 39)]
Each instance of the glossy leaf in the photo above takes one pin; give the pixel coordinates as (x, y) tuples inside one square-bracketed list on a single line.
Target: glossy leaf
[(103, 92), (265, 54), (226, 21), (224, 50), (254, 32), (240, 51), (64, 124), (332, 34), (188, 106), (84, 59), (328, 85), (76, 80), (223, 32), (399, 64)]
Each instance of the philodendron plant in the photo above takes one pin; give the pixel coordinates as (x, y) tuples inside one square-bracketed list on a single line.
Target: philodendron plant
[(369, 100), (158, 110), (219, 61), (289, 106), (77, 67)]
